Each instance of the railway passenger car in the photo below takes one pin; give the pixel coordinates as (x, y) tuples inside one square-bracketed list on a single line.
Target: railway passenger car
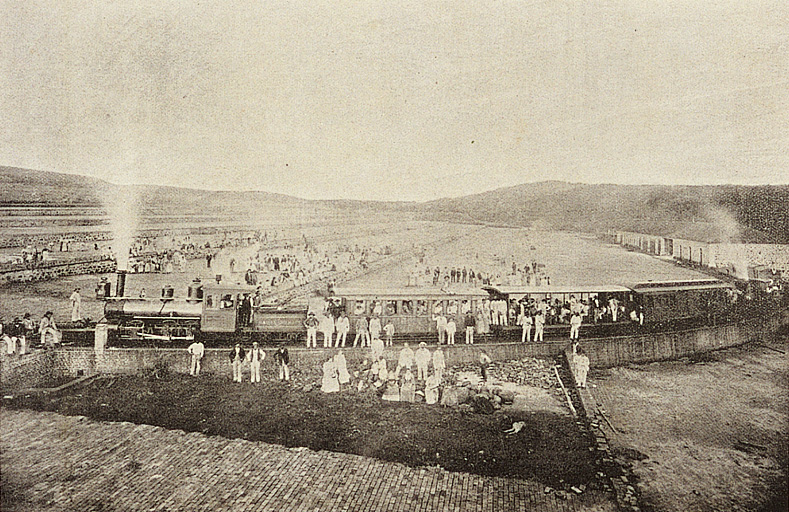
[(410, 309), (665, 301), (561, 293)]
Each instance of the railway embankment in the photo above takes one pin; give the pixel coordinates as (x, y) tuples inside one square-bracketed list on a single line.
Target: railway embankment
[(31, 369)]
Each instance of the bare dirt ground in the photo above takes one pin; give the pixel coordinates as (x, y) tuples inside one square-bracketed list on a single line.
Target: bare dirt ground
[(711, 433), (550, 448), (570, 259)]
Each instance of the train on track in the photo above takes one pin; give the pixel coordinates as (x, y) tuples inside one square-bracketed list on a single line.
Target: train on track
[(223, 313)]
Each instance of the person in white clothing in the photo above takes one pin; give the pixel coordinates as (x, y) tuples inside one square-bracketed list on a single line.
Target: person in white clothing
[(237, 356), (343, 326), (76, 304), (422, 358), (389, 329), (327, 328), (196, 351), (256, 356), (405, 360), (575, 326), (439, 364), (451, 329), (375, 327), (50, 335), (311, 324), (539, 326), (581, 361), (525, 321), (441, 327)]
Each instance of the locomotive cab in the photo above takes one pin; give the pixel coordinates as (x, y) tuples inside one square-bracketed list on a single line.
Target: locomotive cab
[(222, 306)]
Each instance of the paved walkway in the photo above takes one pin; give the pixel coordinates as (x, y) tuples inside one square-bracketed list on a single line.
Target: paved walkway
[(55, 462)]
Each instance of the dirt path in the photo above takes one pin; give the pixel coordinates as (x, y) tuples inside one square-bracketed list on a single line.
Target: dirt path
[(712, 434)]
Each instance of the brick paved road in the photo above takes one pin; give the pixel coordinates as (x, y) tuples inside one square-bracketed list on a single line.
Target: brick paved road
[(54, 462)]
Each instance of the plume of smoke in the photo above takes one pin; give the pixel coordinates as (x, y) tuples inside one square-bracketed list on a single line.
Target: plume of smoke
[(728, 230), (123, 207), (123, 210)]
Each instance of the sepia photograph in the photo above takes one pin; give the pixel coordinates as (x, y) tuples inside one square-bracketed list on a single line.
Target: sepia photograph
[(338, 256)]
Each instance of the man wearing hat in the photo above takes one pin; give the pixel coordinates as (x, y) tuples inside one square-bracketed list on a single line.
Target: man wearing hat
[(311, 323), (256, 356), (422, 358), (406, 359), (48, 327), (236, 358)]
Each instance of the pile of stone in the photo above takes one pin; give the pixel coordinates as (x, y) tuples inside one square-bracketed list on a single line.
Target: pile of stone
[(524, 372)]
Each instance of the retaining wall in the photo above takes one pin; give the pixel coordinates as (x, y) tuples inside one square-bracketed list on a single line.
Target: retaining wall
[(29, 370), (603, 352)]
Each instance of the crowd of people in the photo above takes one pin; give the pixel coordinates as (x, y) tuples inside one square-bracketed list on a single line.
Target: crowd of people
[(474, 271), (20, 335)]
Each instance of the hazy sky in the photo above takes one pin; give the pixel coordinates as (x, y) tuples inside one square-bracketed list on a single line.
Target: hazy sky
[(396, 100)]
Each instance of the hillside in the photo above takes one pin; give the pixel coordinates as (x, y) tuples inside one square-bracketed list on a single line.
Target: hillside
[(711, 213)]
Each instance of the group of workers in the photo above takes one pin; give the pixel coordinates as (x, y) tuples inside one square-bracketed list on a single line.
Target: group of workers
[(239, 358), (17, 334)]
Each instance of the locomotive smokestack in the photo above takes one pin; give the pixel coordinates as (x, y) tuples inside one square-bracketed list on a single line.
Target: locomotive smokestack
[(120, 289)]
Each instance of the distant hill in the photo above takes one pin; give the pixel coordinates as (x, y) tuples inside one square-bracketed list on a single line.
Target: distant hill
[(709, 213), (26, 186)]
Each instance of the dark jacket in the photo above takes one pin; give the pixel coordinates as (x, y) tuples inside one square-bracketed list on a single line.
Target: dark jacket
[(241, 354), (281, 356)]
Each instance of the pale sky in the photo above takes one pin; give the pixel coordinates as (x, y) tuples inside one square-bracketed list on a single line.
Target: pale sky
[(396, 100)]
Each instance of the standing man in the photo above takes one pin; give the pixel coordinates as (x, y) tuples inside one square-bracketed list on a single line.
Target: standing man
[(327, 328), (311, 324), (439, 364), (405, 360), (422, 358), (282, 359), (256, 356), (375, 327), (361, 331), (470, 323), (377, 348), (196, 350), (389, 329), (343, 326), (525, 321), (581, 366), (451, 329), (539, 326), (236, 358), (484, 361), (76, 304), (575, 326), (441, 327)]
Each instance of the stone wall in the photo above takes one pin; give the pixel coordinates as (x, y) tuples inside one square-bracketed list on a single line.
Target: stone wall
[(54, 271), (27, 371), (603, 352)]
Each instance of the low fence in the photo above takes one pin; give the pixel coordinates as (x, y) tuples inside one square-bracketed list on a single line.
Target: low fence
[(603, 352)]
